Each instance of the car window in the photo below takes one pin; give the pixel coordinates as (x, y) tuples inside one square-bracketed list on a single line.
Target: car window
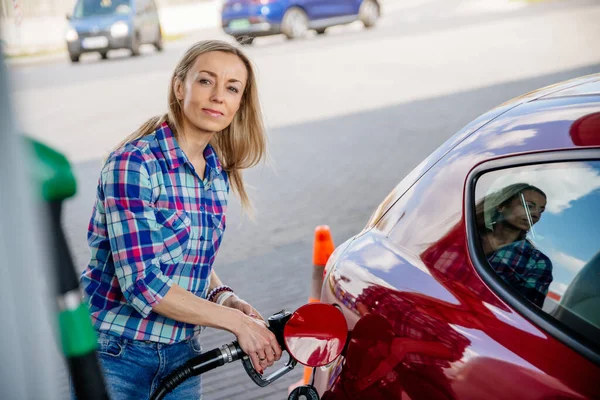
[(539, 229), (87, 8)]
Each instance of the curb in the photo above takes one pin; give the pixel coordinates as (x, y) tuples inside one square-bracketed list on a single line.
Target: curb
[(35, 58)]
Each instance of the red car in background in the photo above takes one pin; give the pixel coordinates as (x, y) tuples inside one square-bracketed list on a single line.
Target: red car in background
[(478, 277)]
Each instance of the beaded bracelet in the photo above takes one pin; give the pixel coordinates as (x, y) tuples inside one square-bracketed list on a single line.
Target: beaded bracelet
[(213, 293)]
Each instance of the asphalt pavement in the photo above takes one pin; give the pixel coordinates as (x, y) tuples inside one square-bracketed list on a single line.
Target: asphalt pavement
[(349, 114)]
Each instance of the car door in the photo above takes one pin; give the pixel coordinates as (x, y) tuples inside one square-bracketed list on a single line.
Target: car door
[(550, 274), (154, 29), (324, 9), (346, 7), (142, 21)]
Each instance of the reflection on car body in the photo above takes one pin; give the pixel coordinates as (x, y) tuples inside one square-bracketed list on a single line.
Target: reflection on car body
[(504, 219), (459, 288)]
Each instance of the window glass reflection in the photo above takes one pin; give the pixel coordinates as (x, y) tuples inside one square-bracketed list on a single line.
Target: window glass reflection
[(505, 218), (539, 228)]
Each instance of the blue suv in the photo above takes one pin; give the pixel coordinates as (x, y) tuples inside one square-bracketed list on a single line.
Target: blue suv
[(247, 19)]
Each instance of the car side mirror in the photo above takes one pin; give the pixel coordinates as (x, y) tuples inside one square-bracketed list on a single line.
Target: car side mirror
[(586, 130)]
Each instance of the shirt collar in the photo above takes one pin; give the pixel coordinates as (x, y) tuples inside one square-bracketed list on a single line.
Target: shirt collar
[(169, 146), (175, 156)]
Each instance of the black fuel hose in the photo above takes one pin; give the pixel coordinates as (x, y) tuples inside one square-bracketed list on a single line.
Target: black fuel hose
[(225, 354), (198, 365)]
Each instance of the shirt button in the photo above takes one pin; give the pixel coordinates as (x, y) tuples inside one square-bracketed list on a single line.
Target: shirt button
[(202, 208)]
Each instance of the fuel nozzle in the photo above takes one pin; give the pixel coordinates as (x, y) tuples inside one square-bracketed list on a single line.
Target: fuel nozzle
[(277, 322)]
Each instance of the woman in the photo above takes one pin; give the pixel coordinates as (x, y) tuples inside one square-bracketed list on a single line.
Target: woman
[(504, 219), (158, 222)]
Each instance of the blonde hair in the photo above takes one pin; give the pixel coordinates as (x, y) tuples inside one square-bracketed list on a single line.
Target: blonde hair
[(487, 209), (243, 143)]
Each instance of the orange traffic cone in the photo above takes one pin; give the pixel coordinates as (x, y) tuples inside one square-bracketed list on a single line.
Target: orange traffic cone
[(322, 248)]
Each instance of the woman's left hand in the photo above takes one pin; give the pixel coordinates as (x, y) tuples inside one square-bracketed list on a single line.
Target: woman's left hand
[(239, 304)]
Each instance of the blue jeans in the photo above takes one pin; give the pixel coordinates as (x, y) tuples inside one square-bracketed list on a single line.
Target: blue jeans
[(133, 369)]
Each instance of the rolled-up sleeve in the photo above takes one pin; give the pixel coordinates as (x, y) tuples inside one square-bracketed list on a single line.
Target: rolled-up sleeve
[(135, 236)]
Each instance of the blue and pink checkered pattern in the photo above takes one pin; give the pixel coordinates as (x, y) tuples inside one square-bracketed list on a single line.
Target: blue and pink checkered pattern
[(525, 268), (155, 223)]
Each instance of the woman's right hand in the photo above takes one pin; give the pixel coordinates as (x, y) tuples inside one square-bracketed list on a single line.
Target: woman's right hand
[(258, 342)]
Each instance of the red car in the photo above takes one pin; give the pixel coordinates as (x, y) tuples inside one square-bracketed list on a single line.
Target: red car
[(478, 277)]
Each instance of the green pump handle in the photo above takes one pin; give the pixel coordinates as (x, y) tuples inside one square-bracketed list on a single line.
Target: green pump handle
[(55, 182)]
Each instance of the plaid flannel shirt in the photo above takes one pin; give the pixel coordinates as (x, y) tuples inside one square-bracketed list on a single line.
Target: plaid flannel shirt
[(155, 223), (525, 268)]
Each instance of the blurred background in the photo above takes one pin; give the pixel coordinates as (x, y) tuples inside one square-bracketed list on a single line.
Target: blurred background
[(349, 112)]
